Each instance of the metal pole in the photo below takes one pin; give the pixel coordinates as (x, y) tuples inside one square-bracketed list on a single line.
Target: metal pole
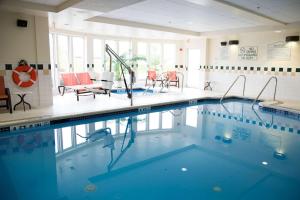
[(131, 82)]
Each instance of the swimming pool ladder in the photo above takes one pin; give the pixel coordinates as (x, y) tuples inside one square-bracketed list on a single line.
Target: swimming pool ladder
[(267, 83), (234, 82)]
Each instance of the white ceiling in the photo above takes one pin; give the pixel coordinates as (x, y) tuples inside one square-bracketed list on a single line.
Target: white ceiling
[(105, 5), (73, 19), (283, 10), (183, 15), (47, 2), (196, 16)]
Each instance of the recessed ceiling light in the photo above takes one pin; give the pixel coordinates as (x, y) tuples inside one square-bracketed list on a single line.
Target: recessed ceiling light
[(278, 31)]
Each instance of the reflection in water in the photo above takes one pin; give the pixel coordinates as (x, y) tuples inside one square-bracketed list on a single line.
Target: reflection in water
[(128, 131), (138, 156)]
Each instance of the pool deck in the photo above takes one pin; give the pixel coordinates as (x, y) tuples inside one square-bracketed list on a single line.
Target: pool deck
[(67, 107)]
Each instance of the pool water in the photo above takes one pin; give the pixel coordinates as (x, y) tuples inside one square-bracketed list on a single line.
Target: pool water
[(203, 151), (135, 91)]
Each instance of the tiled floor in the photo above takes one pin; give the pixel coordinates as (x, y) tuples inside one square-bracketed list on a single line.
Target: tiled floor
[(67, 105)]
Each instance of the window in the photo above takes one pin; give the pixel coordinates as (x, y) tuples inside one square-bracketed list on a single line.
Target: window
[(78, 54), (123, 124), (154, 120), (169, 56), (167, 120), (142, 51), (98, 54), (80, 130), (112, 125), (112, 44), (98, 125), (56, 140), (66, 137), (125, 50), (155, 56), (141, 122), (191, 116), (63, 53)]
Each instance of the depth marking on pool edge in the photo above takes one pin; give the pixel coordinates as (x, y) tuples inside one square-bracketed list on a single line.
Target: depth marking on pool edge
[(193, 102), (144, 109)]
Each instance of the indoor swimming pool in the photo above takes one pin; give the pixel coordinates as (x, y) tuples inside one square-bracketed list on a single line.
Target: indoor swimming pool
[(201, 150)]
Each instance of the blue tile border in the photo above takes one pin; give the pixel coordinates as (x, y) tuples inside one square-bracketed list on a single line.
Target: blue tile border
[(252, 122)]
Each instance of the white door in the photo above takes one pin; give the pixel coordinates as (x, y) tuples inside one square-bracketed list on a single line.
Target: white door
[(193, 79)]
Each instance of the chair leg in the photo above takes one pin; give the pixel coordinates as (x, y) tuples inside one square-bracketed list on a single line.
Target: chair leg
[(77, 95)]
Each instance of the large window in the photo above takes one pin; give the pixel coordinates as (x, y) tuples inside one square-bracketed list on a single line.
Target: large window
[(78, 54), (167, 120), (154, 120), (125, 50), (142, 51), (191, 116), (98, 55), (155, 56), (169, 56), (66, 137), (63, 53), (113, 45), (80, 134)]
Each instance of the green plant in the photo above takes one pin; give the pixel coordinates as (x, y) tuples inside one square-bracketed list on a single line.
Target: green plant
[(129, 61)]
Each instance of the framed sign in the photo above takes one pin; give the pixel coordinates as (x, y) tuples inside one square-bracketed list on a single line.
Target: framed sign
[(279, 51), (248, 53)]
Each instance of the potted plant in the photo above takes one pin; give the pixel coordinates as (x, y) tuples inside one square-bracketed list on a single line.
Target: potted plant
[(132, 62)]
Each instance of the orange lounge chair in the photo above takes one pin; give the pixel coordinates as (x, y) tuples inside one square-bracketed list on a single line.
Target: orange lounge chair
[(151, 77), (81, 83), (172, 78)]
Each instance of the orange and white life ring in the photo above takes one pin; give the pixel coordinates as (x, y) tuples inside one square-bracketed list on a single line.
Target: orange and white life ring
[(27, 69)]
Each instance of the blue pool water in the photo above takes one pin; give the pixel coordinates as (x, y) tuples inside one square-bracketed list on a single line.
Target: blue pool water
[(204, 151), (135, 90)]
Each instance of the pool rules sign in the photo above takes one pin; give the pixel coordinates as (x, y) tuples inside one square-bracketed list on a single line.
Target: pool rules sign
[(248, 53)]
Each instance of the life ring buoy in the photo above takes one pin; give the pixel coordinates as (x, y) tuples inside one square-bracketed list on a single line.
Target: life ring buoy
[(27, 69)]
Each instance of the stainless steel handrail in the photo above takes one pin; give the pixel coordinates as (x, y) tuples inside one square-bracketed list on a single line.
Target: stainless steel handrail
[(267, 83), (237, 78), (110, 52)]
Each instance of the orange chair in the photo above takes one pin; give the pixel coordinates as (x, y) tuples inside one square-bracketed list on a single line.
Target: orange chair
[(81, 83), (173, 78), (151, 77), (5, 95)]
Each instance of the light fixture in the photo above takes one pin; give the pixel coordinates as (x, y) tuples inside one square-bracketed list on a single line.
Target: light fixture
[(293, 38), (233, 42), (278, 31), (223, 43)]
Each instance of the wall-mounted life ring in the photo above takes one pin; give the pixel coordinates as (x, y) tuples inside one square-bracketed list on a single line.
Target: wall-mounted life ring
[(27, 69)]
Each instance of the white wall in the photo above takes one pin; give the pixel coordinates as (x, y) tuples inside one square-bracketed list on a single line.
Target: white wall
[(31, 44), (287, 81)]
